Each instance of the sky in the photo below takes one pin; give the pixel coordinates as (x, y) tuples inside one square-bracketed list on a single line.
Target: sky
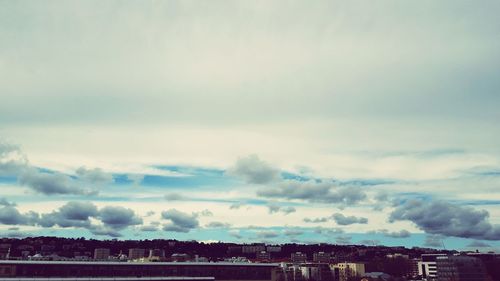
[(346, 122)]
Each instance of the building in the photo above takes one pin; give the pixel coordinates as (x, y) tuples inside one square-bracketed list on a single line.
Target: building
[(273, 249), (136, 253), (101, 254), (180, 257), (346, 270), (413, 268), (156, 255), (322, 257), (263, 256), (4, 251), (460, 268), (397, 255), (104, 271), (316, 272), (427, 267), (252, 249), (298, 257)]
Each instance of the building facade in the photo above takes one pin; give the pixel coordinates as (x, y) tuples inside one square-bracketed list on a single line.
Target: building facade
[(101, 254), (460, 268), (298, 257), (346, 270), (41, 270), (427, 267), (136, 253)]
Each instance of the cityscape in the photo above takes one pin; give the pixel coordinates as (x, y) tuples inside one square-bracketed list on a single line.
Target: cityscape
[(52, 257), (249, 140)]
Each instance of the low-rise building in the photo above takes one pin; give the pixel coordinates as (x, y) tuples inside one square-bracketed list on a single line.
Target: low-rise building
[(136, 253), (346, 270), (263, 256), (298, 257), (101, 253), (322, 257)]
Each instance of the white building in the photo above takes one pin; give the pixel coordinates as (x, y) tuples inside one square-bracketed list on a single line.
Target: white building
[(427, 268), (345, 270)]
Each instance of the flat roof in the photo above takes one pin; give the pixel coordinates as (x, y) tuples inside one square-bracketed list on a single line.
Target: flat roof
[(140, 263), (169, 278)]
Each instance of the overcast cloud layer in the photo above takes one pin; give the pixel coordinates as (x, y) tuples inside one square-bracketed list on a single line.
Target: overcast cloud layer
[(340, 122)]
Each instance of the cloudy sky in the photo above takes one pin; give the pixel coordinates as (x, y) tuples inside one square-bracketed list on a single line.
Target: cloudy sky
[(252, 121)]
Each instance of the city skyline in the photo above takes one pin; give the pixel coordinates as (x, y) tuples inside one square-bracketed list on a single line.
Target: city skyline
[(277, 122)]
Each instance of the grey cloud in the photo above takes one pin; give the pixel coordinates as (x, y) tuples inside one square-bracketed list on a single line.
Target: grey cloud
[(316, 220), (135, 178), (117, 217), (293, 232), (285, 210), (393, 234), (14, 163), (9, 215), (314, 191), (4, 202), (75, 214), (369, 242), (435, 241), (329, 231), (443, 218), (170, 227), (17, 234), (52, 183), (104, 231), (72, 214), (343, 220), (235, 234), (273, 208), (288, 210), (216, 224), (343, 239), (149, 228), (267, 234), (94, 176), (382, 196), (179, 221), (398, 234), (78, 210), (381, 200), (206, 213), (478, 244), (174, 197), (236, 206), (12, 160), (253, 170)]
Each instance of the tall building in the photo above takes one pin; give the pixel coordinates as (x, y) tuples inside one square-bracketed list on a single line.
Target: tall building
[(101, 254), (298, 257), (427, 267), (460, 268), (136, 253)]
